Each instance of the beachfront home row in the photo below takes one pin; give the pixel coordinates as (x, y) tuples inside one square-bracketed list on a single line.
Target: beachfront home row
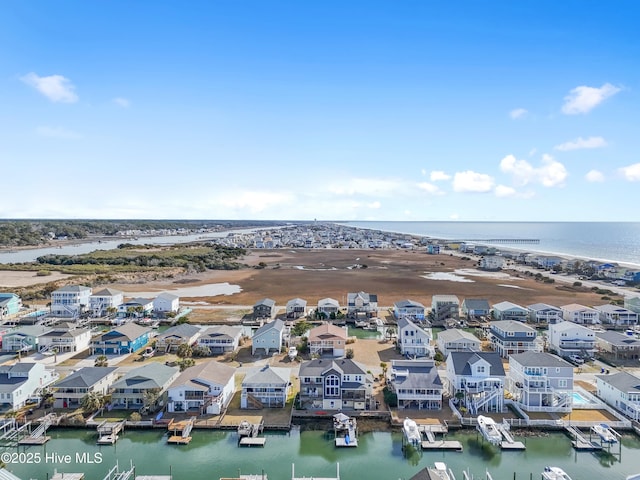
[(21, 381), (70, 301), (105, 302), (40, 338)]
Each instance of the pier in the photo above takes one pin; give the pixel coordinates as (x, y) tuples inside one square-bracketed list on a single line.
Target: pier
[(508, 443), (518, 241), (345, 430), (181, 431), (248, 434), (430, 442), (108, 432), (38, 435), (580, 442)]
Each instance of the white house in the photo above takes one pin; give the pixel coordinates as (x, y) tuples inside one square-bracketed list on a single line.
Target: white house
[(296, 308), (491, 262), (268, 337), (182, 334), (478, 378), (413, 340), (615, 315), (621, 391), (543, 313), (206, 388), (509, 337), (20, 381), (456, 340), (267, 387), (416, 384), (69, 392), (409, 308), (510, 311), (137, 307), (102, 301), (166, 303), (328, 307), (445, 307), (220, 339), (567, 338), (64, 340), (577, 313), (70, 301)]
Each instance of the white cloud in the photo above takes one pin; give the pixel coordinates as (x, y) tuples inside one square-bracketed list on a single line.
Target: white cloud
[(470, 181), (122, 102), (430, 188), (583, 99), (504, 191), (532, 152), (375, 205), (582, 143), (594, 176), (55, 87), (365, 186), (518, 113), (438, 176), (254, 201), (57, 132), (550, 174), (423, 171), (631, 172)]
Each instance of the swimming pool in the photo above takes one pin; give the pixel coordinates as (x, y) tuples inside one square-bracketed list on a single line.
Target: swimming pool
[(579, 399)]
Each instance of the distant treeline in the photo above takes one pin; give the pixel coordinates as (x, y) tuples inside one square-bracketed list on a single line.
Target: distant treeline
[(16, 233)]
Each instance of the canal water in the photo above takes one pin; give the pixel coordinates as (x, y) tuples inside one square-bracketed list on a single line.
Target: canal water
[(379, 456)]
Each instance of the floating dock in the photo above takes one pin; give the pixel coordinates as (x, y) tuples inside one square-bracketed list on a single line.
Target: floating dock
[(248, 434), (433, 443), (345, 430), (181, 431), (68, 476), (508, 443), (108, 432), (580, 442), (38, 435)]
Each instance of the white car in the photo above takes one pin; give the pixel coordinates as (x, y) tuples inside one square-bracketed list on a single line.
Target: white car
[(576, 359)]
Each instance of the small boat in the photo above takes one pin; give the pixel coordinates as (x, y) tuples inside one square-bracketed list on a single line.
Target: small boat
[(441, 471), (293, 353), (489, 429), (554, 473), (411, 431), (605, 433), (148, 352)]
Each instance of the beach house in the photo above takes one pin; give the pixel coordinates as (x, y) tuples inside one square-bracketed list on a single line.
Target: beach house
[(577, 313), (610, 314), (70, 301), (444, 308), (475, 308), (69, 392), (220, 339), (64, 340), (183, 334), (410, 309), (105, 302), (20, 381), (144, 388), (264, 309), (456, 340), (477, 380), (414, 340), (416, 384), (268, 338), (567, 339), (328, 308), (266, 387), (296, 308), (124, 339), (136, 308), (616, 346), (509, 337), (10, 304), (621, 391), (166, 303), (205, 388), (335, 384), (543, 313), (24, 339), (510, 311), (327, 339), (362, 304), (491, 262)]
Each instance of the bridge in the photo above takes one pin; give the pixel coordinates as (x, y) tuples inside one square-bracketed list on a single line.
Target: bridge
[(518, 241)]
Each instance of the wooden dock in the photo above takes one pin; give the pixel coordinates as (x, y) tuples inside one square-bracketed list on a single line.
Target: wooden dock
[(345, 430), (580, 442), (181, 431), (248, 433), (252, 441), (108, 432), (68, 476), (430, 442)]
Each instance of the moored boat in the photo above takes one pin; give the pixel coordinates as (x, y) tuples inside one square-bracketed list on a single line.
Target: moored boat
[(554, 473), (411, 431), (489, 430)]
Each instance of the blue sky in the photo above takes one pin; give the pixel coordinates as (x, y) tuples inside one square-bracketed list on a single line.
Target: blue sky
[(335, 110)]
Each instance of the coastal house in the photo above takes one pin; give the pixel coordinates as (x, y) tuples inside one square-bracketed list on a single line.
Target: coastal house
[(362, 304), (10, 304), (433, 249), (266, 387), (24, 339), (510, 311), (328, 308), (540, 382), (144, 388), (621, 391), (414, 340), (475, 308), (69, 392), (509, 337), (105, 302), (456, 340), (547, 261), (205, 388), (136, 308), (124, 339), (183, 334), (491, 262), (166, 303), (410, 309), (327, 339), (296, 308), (220, 339), (632, 303), (477, 380), (20, 381), (264, 309), (335, 384), (416, 384), (268, 337), (543, 313), (64, 340), (444, 308), (70, 301), (614, 315), (577, 313), (567, 338), (616, 346)]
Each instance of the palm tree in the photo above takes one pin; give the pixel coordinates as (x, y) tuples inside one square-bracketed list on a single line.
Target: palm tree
[(93, 401), (101, 361), (184, 350)]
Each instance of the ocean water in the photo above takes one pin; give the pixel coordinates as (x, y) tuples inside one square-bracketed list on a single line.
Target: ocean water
[(607, 241)]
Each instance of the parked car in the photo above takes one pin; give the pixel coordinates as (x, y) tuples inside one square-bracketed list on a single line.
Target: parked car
[(576, 359)]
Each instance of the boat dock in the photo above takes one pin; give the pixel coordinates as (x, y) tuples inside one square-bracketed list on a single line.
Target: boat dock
[(248, 434), (108, 432), (181, 431), (38, 435), (508, 443), (313, 477), (345, 430), (67, 476), (433, 443), (580, 442)]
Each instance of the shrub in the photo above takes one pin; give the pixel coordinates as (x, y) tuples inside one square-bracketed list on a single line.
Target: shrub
[(349, 353), (135, 417), (390, 398), (43, 273), (577, 284)]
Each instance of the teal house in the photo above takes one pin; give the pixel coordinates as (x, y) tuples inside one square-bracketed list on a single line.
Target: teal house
[(10, 304)]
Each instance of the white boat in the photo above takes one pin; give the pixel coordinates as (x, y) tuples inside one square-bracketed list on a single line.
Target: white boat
[(554, 473), (441, 471), (411, 431), (489, 429), (293, 353), (605, 433)]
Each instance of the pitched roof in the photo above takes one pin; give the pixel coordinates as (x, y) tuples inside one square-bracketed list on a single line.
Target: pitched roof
[(130, 331), (618, 339), (222, 331), (183, 330), (462, 362), (151, 375), (265, 301), (539, 359), (507, 306), (408, 304), (453, 334), (422, 374), (328, 301), (543, 306), (277, 324), (327, 330), (72, 289), (211, 371), (85, 377), (268, 375), (167, 296), (476, 304), (623, 381), (107, 292), (296, 301), (317, 367), (511, 326)]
